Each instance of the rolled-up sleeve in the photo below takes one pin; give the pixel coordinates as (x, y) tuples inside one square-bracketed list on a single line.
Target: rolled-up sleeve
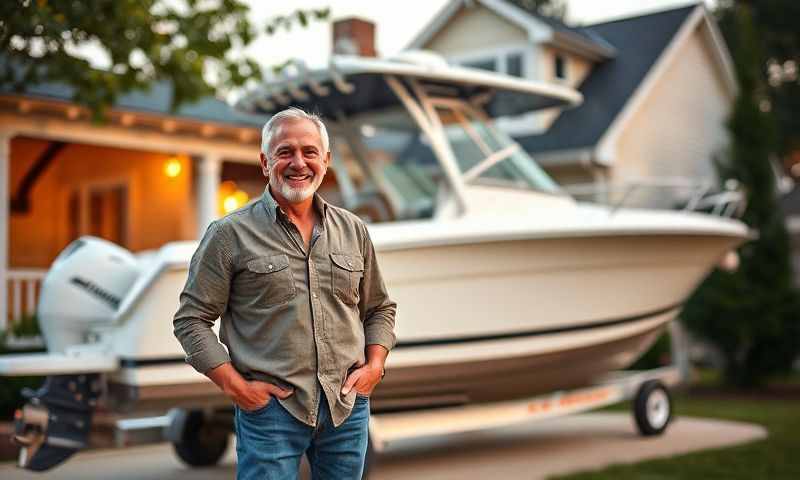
[(377, 309), (204, 299)]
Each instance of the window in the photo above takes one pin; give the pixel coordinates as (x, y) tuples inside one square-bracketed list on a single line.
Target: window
[(514, 65), (488, 64), (560, 67), (510, 61)]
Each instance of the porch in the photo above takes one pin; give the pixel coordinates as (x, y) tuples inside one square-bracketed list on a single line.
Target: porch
[(138, 180)]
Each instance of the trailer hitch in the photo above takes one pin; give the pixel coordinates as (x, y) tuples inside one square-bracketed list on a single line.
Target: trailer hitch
[(56, 421)]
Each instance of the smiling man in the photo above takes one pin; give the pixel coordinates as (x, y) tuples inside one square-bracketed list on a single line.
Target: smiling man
[(305, 315)]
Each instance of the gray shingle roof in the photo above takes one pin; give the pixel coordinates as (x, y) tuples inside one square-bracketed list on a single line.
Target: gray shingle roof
[(639, 42), (156, 100)]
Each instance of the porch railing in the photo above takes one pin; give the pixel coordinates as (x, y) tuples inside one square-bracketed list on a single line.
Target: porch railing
[(23, 286)]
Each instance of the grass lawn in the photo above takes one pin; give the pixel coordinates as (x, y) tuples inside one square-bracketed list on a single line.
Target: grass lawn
[(777, 457)]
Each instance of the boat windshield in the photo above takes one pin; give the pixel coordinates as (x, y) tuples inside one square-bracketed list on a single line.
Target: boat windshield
[(387, 170), (391, 167), (488, 156)]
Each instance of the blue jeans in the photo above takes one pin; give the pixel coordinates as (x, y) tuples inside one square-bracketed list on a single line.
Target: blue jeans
[(270, 442)]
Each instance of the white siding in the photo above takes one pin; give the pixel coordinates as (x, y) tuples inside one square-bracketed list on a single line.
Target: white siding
[(576, 70), (475, 29), (681, 123)]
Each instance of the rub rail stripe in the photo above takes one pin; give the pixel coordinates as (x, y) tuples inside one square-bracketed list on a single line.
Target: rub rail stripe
[(532, 333), (148, 362)]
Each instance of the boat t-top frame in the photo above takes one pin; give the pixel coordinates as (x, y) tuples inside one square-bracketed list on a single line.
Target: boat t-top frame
[(354, 87)]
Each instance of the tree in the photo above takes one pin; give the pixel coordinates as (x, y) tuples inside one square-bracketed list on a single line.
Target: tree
[(193, 44), (751, 314), (780, 39)]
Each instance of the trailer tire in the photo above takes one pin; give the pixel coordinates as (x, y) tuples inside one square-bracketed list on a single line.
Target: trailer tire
[(652, 408), (202, 443)]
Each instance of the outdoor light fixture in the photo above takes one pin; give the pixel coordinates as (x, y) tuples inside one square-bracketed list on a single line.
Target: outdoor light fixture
[(172, 167), (234, 201)]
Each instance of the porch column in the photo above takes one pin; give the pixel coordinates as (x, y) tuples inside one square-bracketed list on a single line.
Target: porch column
[(210, 167), (5, 219)]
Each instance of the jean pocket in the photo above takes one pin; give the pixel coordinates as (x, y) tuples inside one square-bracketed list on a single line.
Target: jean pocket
[(259, 410)]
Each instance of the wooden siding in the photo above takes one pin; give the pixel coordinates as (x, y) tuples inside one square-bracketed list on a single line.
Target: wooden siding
[(473, 29), (160, 209), (681, 123)]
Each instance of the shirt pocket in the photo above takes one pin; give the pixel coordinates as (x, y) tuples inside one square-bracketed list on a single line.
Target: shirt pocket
[(347, 272), (271, 279)]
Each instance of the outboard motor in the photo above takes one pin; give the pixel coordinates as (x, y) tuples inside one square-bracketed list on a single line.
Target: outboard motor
[(83, 288)]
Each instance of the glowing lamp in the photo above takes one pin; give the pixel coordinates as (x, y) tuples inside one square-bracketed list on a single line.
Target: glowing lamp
[(234, 201), (172, 167)]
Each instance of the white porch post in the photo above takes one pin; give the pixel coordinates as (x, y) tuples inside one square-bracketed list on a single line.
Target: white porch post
[(210, 169), (5, 219)]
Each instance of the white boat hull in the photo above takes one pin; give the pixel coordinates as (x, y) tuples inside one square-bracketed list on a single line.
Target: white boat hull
[(522, 315)]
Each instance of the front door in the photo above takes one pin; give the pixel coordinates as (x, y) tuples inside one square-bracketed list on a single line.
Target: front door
[(100, 210)]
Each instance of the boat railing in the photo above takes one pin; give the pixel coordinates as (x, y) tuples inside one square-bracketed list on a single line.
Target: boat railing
[(678, 193)]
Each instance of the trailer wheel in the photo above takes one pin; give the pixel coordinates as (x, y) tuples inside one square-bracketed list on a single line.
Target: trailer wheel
[(652, 408), (202, 443)]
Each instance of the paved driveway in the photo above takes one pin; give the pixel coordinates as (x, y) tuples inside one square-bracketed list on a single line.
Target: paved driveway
[(530, 451)]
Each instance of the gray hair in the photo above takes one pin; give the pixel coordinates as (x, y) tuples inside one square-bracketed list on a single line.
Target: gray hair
[(292, 113)]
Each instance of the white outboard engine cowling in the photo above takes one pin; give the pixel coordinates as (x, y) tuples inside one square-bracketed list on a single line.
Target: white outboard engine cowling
[(84, 286)]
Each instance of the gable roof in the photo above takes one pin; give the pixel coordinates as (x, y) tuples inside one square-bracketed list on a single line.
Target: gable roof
[(530, 22), (640, 41)]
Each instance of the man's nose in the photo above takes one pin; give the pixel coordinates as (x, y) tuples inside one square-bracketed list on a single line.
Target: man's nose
[(298, 161)]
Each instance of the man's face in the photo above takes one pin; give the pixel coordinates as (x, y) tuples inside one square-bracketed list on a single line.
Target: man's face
[(297, 162)]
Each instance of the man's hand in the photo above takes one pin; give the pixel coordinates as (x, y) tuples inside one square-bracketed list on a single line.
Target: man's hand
[(364, 378), (258, 394), (249, 395)]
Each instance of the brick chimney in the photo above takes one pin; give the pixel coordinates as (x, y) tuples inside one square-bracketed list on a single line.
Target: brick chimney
[(354, 36)]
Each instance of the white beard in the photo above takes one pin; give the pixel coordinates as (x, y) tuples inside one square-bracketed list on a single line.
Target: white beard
[(291, 194)]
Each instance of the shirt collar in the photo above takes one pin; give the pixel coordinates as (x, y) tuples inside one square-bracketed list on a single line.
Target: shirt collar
[(275, 211)]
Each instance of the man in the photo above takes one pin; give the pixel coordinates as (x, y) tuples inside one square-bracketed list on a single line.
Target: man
[(305, 315)]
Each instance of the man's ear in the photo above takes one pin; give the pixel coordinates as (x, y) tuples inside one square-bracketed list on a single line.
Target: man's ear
[(262, 159), (328, 159)]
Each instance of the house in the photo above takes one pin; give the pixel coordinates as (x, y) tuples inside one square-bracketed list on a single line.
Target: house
[(145, 177), (657, 88)]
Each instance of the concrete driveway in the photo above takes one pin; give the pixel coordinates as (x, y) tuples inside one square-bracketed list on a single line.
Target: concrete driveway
[(531, 451)]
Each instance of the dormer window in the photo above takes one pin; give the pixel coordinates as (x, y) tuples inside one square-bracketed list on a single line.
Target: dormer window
[(514, 65), (510, 61), (560, 67), (483, 64)]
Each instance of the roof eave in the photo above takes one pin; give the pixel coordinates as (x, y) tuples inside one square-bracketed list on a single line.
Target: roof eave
[(576, 44)]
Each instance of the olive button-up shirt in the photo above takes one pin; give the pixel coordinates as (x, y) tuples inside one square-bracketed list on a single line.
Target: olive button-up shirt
[(299, 319)]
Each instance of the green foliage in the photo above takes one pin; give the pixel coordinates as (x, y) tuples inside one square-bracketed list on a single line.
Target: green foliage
[(26, 326), (11, 387), (751, 314), (195, 45), (659, 355), (772, 458)]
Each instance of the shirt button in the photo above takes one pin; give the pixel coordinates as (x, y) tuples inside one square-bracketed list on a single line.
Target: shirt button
[(316, 296), (270, 266), (349, 264)]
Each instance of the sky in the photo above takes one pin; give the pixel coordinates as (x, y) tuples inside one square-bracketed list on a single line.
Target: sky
[(397, 22)]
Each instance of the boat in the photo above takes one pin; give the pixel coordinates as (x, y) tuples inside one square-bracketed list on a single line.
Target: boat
[(507, 286)]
